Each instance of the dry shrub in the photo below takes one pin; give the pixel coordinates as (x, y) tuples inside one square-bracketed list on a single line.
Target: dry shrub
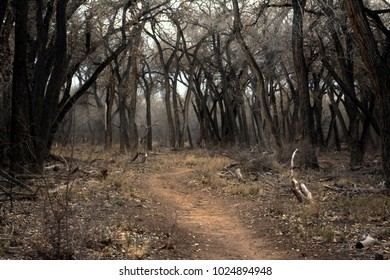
[(58, 235)]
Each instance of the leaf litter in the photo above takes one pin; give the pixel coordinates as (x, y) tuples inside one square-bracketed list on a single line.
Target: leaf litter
[(89, 208)]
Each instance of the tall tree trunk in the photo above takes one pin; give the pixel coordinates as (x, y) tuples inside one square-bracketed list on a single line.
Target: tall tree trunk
[(258, 121), (167, 86), (191, 73), (333, 130), (168, 109), (344, 60), (133, 87), (378, 66), (175, 103), (6, 29), (208, 124), (148, 94), (110, 95), (54, 85), (19, 113), (228, 116), (256, 71), (124, 142), (67, 102), (308, 136)]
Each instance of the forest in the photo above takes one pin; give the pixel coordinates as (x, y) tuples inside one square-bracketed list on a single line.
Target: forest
[(259, 92)]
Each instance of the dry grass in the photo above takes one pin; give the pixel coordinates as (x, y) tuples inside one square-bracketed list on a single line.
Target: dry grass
[(93, 221)]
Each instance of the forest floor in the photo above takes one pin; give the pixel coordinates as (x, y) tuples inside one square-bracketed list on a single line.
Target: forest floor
[(184, 204)]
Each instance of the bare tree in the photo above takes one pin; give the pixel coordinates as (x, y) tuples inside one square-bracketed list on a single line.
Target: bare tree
[(306, 121), (374, 51), (257, 72)]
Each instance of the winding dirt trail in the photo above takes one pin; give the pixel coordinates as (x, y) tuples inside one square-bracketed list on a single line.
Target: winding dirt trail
[(203, 225)]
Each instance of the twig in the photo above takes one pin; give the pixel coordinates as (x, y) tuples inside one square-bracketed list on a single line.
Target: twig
[(12, 180)]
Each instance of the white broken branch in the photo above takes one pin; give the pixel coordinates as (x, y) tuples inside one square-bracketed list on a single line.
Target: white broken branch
[(300, 190), (366, 243)]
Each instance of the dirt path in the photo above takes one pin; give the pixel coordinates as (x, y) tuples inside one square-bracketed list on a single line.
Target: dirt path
[(202, 224)]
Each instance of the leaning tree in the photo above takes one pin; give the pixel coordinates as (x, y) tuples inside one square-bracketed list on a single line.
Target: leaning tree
[(372, 35)]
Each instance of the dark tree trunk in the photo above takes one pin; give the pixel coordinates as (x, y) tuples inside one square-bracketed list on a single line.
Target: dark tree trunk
[(385, 125), (149, 130), (307, 129), (56, 81), (179, 137), (258, 74), (191, 73), (262, 139), (124, 142), (228, 117), (333, 130), (167, 86), (293, 123), (149, 84), (133, 86), (20, 128), (207, 123), (67, 102), (378, 66), (110, 95), (345, 63)]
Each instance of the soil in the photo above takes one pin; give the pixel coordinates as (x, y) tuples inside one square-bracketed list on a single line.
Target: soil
[(186, 205), (204, 225)]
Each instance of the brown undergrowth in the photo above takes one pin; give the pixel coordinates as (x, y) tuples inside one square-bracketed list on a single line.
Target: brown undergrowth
[(92, 205)]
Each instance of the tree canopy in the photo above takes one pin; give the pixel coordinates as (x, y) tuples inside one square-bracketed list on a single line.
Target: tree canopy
[(274, 74)]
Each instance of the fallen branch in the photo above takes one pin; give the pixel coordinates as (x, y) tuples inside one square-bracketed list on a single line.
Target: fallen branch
[(11, 194), (139, 158), (14, 181), (366, 243), (234, 170), (300, 190)]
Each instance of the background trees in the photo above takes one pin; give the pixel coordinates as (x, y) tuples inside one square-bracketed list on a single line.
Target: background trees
[(269, 73)]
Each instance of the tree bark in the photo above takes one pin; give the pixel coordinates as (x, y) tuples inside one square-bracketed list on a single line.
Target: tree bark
[(56, 81), (167, 86), (344, 60), (133, 86), (110, 95), (230, 128), (307, 129), (256, 71), (378, 66), (19, 112), (148, 93), (67, 102)]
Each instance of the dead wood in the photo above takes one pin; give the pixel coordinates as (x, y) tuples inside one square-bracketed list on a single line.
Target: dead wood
[(366, 243), (234, 170), (16, 194), (139, 158), (15, 188), (300, 190), (14, 181)]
